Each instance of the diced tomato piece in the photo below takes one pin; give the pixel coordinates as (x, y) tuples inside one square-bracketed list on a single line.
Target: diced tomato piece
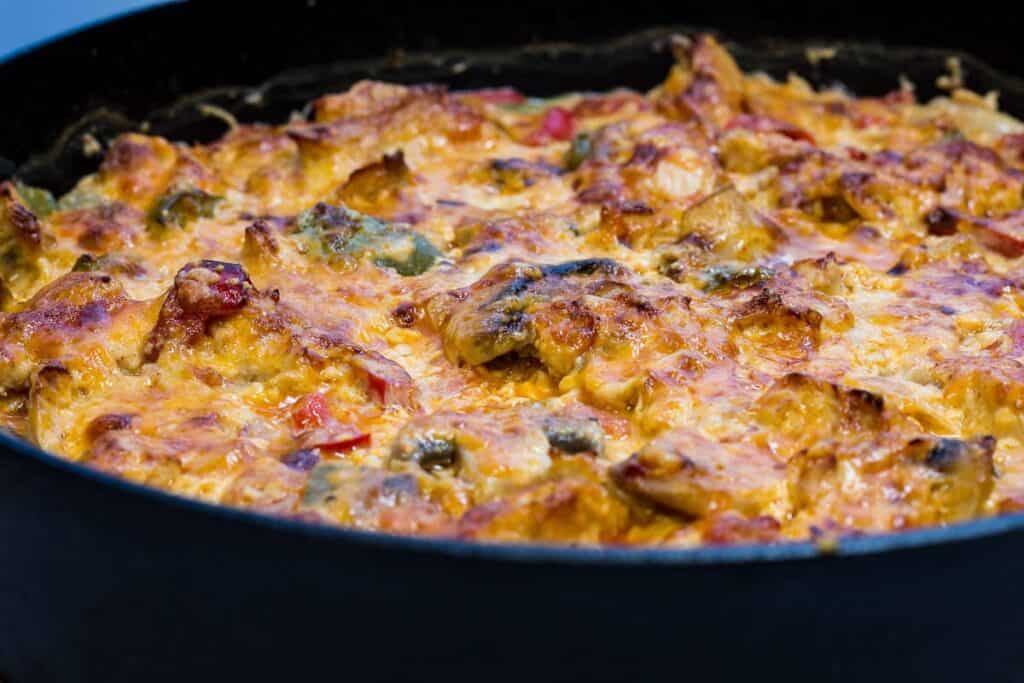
[(557, 124), (377, 387), (499, 95), (310, 412), (345, 443), (224, 296), (766, 124), (387, 383)]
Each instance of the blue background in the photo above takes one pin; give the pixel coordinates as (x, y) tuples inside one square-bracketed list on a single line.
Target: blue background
[(28, 21)]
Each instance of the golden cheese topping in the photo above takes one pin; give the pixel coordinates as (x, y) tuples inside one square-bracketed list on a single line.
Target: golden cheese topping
[(728, 310)]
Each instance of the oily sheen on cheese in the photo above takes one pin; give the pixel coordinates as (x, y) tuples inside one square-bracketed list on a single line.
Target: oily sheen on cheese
[(729, 310)]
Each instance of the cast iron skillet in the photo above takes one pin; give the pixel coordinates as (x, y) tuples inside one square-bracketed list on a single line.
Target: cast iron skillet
[(105, 580)]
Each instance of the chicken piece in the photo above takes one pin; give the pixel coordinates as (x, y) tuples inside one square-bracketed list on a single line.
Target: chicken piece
[(689, 474), (891, 483), (563, 316)]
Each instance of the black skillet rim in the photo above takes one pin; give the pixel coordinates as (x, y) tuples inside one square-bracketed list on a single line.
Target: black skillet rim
[(11, 446)]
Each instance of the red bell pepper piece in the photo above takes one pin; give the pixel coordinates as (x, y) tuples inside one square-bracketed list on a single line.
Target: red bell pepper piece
[(556, 124)]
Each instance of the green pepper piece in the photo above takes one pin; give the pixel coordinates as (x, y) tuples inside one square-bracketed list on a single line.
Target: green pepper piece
[(86, 263), (339, 231), (531, 105), (579, 151), (178, 208), (717, 278), (405, 251), (108, 263), (39, 201), (80, 197), (321, 485)]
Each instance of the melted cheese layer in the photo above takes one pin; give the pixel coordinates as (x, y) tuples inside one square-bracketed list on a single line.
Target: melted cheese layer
[(728, 310)]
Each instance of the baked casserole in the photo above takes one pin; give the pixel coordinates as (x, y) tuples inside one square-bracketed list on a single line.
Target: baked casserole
[(728, 310)]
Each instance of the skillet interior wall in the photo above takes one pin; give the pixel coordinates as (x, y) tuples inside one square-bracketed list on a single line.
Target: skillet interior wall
[(152, 59)]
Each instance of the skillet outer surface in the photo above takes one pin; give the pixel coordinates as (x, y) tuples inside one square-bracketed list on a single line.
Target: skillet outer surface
[(101, 582)]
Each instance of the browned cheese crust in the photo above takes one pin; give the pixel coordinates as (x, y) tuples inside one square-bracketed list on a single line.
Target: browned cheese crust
[(729, 310)]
